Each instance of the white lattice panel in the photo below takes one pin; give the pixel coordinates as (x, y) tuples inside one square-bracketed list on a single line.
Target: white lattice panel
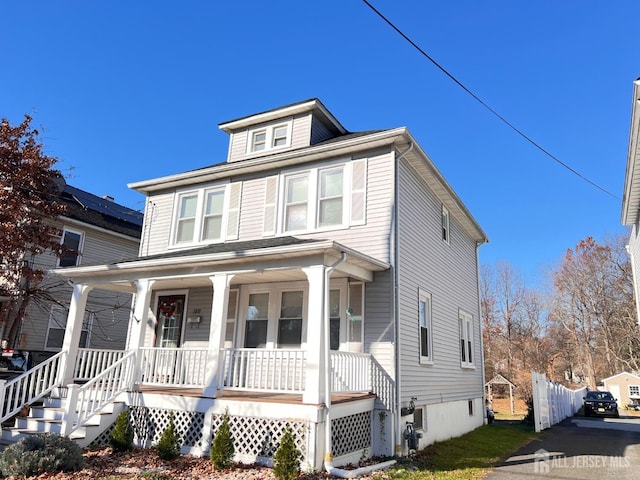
[(260, 437), (351, 433), (149, 423)]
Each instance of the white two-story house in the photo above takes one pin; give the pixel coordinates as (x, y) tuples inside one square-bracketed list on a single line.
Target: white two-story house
[(318, 279)]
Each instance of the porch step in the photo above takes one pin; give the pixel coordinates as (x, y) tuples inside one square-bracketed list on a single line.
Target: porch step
[(48, 417)]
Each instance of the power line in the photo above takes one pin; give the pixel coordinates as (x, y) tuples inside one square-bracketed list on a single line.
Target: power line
[(488, 107)]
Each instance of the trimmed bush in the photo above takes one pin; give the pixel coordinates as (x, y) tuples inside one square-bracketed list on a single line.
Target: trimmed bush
[(41, 453), (122, 434), (222, 449), (169, 444), (286, 461)]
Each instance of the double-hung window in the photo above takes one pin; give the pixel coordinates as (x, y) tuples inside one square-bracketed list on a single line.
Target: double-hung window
[(187, 210), (269, 137), (72, 243), (290, 321), (321, 198), (206, 215), (257, 321), (58, 324), (426, 332), (213, 211), (296, 202), (445, 225), (465, 323), (330, 197)]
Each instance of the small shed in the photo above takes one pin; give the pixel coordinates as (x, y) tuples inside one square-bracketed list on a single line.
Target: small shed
[(500, 380)]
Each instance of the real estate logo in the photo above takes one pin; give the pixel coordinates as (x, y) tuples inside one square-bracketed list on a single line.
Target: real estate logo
[(541, 461)]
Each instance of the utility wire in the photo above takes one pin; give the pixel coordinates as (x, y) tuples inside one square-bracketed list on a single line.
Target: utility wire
[(485, 105)]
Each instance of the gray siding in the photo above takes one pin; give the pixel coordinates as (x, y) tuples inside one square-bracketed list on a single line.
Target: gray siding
[(198, 334), (449, 273), (319, 132), (110, 309)]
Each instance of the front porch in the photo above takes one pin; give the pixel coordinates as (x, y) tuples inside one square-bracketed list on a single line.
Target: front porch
[(261, 390)]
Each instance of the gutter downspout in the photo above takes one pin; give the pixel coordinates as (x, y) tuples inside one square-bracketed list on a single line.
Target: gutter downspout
[(396, 315)]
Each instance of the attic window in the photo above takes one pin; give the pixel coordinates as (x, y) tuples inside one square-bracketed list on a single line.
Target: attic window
[(269, 137)]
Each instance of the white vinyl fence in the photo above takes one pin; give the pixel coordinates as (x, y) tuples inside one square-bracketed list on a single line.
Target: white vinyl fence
[(553, 402)]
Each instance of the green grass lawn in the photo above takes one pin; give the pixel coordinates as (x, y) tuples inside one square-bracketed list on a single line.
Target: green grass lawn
[(470, 456)]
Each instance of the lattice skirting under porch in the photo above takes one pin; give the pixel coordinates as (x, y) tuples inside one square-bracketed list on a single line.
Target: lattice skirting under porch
[(259, 437), (149, 423), (351, 434)]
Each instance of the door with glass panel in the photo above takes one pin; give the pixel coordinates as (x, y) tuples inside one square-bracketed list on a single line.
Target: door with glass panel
[(170, 317)]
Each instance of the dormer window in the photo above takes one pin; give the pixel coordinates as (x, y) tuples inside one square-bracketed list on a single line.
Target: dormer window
[(269, 137), (259, 139)]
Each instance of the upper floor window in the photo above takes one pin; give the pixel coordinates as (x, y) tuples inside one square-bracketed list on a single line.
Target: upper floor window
[(72, 242), (269, 137), (445, 224), (426, 333), (205, 215), (319, 198), (465, 323)]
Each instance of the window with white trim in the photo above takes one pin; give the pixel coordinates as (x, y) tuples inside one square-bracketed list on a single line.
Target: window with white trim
[(634, 390), (425, 322), (269, 137), (290, 321), (319, 198), (465, 323), (73, 242), (445, 224), (58, 324), (418, 418), (207, 215)]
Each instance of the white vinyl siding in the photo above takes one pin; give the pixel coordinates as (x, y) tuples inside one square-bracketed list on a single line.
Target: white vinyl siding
[(449, 273)]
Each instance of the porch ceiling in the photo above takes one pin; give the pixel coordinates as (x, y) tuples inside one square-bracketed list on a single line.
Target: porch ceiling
[(272, 260)]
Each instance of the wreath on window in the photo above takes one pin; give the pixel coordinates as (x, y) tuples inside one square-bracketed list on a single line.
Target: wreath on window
[(168, 306)]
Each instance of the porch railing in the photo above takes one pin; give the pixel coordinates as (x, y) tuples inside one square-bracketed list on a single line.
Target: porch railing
[(88, 399), (29, 387), (173, 366), (254, 369), (350, 372), (90, 363)]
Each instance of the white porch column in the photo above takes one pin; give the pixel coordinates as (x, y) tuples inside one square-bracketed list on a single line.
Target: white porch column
[(73, 330), (314, 391), (217, 328), (140, 320)]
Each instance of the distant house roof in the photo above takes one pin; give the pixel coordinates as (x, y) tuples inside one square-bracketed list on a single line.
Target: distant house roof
[(619, 375), (499, 380), (101, 212)]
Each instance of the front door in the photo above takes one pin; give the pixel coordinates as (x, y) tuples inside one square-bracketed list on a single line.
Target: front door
[(170, 316)]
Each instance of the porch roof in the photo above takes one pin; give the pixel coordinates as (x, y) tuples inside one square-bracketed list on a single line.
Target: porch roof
[(269, 258)]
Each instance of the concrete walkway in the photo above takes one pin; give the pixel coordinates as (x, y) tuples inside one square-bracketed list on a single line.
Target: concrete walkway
[(578, 448)]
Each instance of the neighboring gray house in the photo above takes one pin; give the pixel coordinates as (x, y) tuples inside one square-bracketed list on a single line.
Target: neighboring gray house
[(631, 195), (318, 279), (97, 230)]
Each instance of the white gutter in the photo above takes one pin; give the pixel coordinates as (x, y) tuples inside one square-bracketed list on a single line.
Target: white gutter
[(634, 274), (398, 430)]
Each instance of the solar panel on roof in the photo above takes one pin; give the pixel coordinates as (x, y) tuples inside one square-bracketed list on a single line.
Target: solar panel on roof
[(104, 206)]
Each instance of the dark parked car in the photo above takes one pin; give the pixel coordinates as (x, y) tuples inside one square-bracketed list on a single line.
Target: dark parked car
[(13, 363), (600, 403)]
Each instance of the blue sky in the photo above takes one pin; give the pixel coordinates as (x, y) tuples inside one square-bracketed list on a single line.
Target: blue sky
[(128, 91)]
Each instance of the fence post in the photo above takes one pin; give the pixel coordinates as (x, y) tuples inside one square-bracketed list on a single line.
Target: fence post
[(2, 398)]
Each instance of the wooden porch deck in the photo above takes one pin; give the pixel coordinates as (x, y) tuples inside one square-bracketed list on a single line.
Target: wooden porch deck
[(242, 396)]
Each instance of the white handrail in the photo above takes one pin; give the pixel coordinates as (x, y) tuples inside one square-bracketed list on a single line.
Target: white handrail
[(85, 401), (350, 372), (90, 362), (29, 387)]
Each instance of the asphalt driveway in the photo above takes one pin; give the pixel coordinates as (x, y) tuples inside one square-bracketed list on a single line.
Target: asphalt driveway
[(579, 448)]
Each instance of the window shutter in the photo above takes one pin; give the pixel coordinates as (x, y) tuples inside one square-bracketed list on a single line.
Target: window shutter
[(270, 197), (233, 217), (358, 191)]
